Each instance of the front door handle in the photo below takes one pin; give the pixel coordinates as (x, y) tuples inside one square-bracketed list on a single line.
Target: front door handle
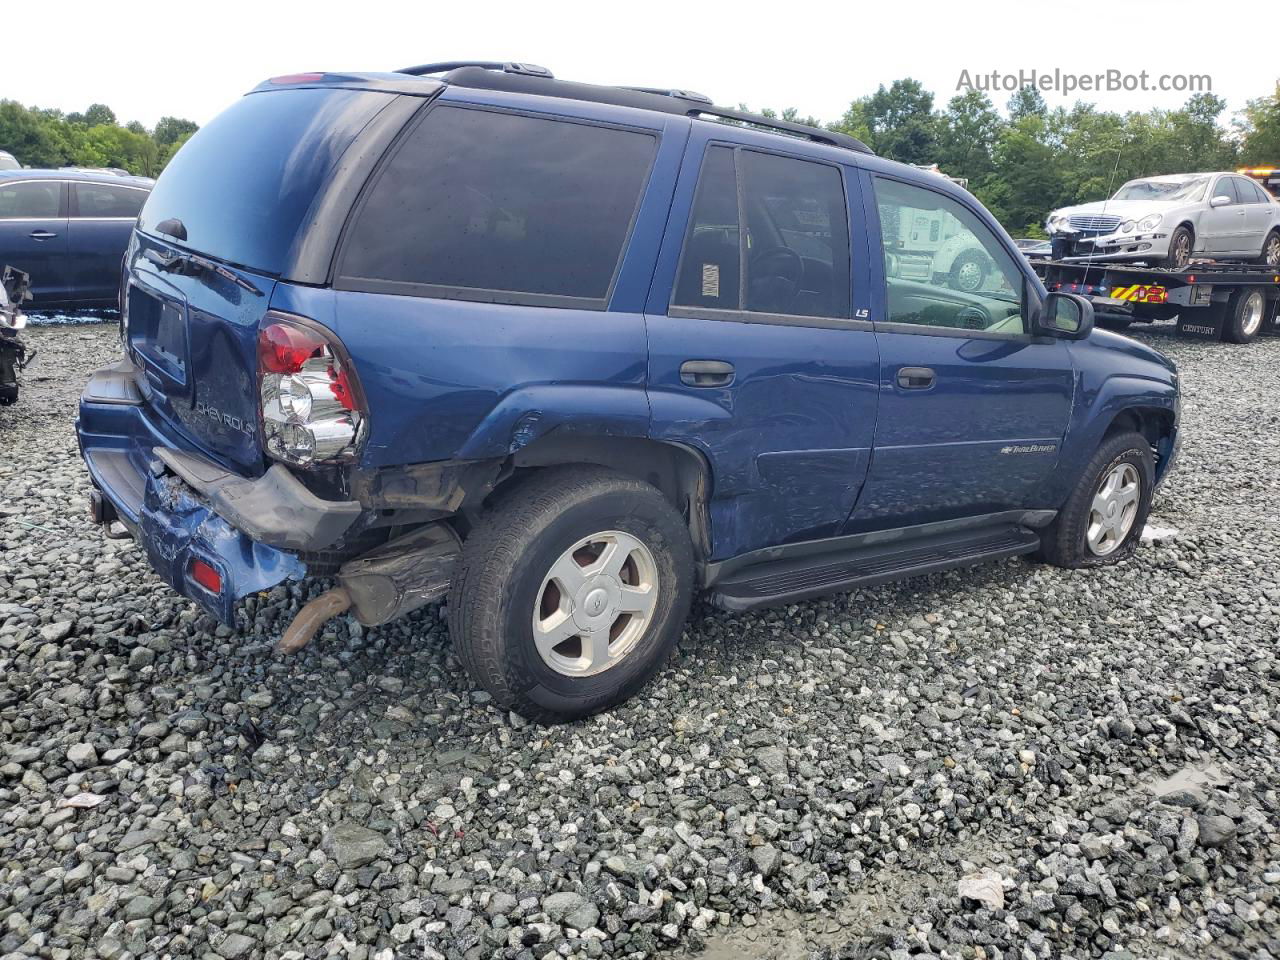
[(916, 378), (706, 373), (41, 235)]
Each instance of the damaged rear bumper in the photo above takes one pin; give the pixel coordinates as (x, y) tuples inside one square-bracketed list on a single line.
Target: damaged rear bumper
[(186, 511)]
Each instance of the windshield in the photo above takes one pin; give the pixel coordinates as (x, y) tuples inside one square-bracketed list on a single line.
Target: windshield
[(242, 185), (1188, 190)]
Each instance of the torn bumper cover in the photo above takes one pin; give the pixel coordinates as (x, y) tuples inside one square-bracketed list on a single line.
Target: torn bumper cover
[(212, 535), (179, 531)]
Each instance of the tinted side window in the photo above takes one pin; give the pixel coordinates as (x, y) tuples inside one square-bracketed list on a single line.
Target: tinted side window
[(100, 201), (964, 279), (710, 264), (477, 201), (797, 237), (1254, 191), (796, 241), (40, 199), (1226, 188)]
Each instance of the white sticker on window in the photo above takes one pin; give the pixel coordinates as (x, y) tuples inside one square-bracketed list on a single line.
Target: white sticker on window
[(711, 280)]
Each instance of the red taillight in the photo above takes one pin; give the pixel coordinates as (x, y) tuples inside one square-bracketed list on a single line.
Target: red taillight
[(284, 348), (312, 407), (206, 576), (340, 384), (298, 78)]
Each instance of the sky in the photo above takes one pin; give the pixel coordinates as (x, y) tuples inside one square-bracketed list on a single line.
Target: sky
[(190, 60)]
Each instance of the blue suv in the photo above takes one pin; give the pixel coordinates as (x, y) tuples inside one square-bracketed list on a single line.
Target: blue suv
[(570, 354)]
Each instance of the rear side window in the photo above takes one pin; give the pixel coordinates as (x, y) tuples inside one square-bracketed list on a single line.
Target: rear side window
[(793, 257), (103, 201), (1249, 192), (710, 268), (27, 201), (502, 207), (243, 184)]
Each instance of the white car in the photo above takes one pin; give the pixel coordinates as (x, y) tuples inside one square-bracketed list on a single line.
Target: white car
[(1168, 220)]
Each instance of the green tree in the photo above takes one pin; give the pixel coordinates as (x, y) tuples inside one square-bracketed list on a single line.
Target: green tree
[(1259, 130), (171, 129), (896, 122), (1027, 102), (47, 138), (967, 134), (1027, 179)]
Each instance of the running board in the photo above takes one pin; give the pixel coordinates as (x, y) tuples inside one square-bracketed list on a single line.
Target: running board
[(786, 581)]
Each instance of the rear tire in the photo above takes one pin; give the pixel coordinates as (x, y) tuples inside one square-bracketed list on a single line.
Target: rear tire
[(1271, 250), (532, 605), (1246, 313), (1087, 532)]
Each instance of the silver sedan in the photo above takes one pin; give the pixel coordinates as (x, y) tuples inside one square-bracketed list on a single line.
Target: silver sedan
[(1166, 221)]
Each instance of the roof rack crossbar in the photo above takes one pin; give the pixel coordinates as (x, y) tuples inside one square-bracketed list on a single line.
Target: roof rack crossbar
[(527, 69), (816, 134)]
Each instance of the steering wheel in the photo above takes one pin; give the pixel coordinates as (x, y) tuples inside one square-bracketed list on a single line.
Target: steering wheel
[(775, 278)]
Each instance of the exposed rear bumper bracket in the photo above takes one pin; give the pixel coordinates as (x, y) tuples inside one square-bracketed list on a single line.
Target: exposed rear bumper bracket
[(276, 509)]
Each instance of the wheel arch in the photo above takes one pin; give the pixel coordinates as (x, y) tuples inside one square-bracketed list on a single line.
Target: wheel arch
[(681, 473), (1190, 224), (1157, 424)]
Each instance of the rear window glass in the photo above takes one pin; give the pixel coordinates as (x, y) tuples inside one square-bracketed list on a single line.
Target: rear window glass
[(242, 184), (485, 205)]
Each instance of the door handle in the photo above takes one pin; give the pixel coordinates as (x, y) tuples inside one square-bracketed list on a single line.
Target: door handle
[(41, 235), (916, 378), (706, 373)]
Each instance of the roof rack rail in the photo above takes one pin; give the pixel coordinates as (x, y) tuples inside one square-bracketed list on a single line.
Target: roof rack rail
[(678, 94), (816, 134), (530, 78), (524, 69)]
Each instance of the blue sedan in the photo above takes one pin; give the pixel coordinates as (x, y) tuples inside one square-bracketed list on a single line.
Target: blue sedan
[(68, 229)]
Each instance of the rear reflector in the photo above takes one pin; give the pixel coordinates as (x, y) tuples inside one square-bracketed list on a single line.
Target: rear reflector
[(206, 576)]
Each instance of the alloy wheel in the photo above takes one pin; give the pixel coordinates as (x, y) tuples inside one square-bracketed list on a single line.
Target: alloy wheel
[(1252, 317), (1181, 250), (1114, 508), (595, 603)]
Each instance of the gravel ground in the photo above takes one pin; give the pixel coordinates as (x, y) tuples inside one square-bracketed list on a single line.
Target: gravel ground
[(1007, 762)]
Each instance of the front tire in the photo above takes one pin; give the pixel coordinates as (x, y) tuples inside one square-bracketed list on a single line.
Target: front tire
[(969, 272), (571, 592), (1180, 246), (1102, 520)]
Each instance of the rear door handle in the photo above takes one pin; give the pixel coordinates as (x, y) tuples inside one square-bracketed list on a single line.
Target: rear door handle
[(916, 378), (706, 373), (41, 235)]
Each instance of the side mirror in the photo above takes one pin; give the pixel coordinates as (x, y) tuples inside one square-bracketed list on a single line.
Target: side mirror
[(1067, 316), (1221, 200)]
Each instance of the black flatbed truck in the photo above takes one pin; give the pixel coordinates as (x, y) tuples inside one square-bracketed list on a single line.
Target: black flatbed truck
[(1234, 302)]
